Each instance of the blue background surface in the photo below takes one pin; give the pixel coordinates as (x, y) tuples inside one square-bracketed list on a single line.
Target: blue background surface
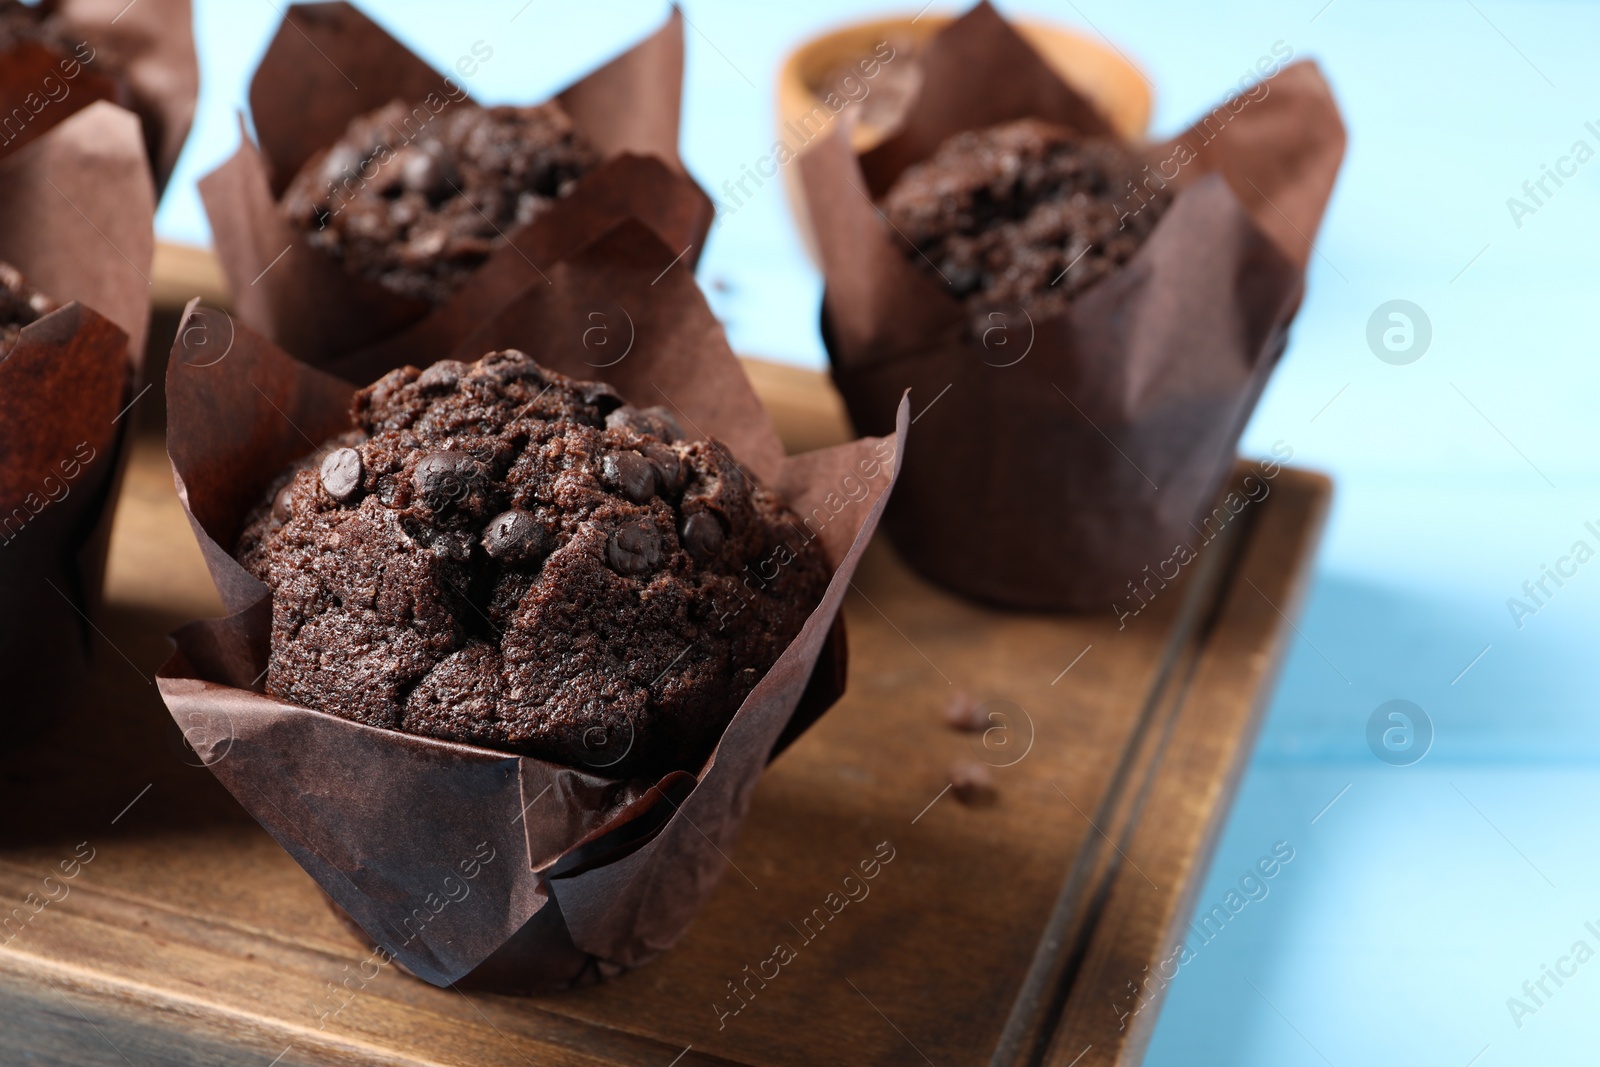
[(1427, 894)]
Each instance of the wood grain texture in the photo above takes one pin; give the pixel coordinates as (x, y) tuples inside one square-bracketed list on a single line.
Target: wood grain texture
[(995, 933)]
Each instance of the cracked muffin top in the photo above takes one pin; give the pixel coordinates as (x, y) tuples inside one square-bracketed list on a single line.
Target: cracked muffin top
[(500, 555)]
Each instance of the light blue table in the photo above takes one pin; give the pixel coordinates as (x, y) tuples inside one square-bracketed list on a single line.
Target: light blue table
[(1426, 895)]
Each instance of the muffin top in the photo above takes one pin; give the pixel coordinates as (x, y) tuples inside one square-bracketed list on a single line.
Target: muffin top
[(20, 305), (1023, 215), (500, 555), (416, 200)]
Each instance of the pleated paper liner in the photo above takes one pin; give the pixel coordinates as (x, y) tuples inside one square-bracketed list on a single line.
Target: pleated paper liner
[(304, 95), (76, 207), (139, 56), (1049, 471), (461, 863)]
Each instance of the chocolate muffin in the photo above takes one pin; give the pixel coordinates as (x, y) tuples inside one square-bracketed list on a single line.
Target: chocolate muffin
[(500, 555), (416, 200), (1023, 215), (20, 306)]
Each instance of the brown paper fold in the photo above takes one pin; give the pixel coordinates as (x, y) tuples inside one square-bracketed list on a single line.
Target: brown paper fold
[(142, 58), (1061, 456), (78, 207), (587, 876), (329, 64)]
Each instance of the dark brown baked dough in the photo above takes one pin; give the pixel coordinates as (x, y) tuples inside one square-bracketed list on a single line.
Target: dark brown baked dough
[(20, 305), (416, 200), (1023, 215), (501, 555)]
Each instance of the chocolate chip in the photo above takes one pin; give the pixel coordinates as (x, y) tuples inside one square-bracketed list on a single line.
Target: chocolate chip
[(600, 395), (445, 478), (515, 535), (964, 713), (654, 422), (428, 170), (341, 474), (703, 535), (442, 376), (669, 468), (972, 783), (630, 473), (282, 505), (634, 548)]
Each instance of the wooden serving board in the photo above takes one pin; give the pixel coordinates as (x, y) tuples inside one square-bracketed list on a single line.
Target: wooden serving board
[(1004, 934)]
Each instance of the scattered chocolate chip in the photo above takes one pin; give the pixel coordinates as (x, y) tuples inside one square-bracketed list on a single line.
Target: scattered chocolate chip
[(972, 783), (634, 548), (703, 535), (442, 376), (669, 468), (445, 478), (629, 473), (515, 535), (963, 713), (341, 474)]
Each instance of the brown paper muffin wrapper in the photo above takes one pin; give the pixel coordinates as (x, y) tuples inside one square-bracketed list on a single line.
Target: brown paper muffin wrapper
[(304, 95), (76, 220), (140, 56), (460, 862), (1059, 458)]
